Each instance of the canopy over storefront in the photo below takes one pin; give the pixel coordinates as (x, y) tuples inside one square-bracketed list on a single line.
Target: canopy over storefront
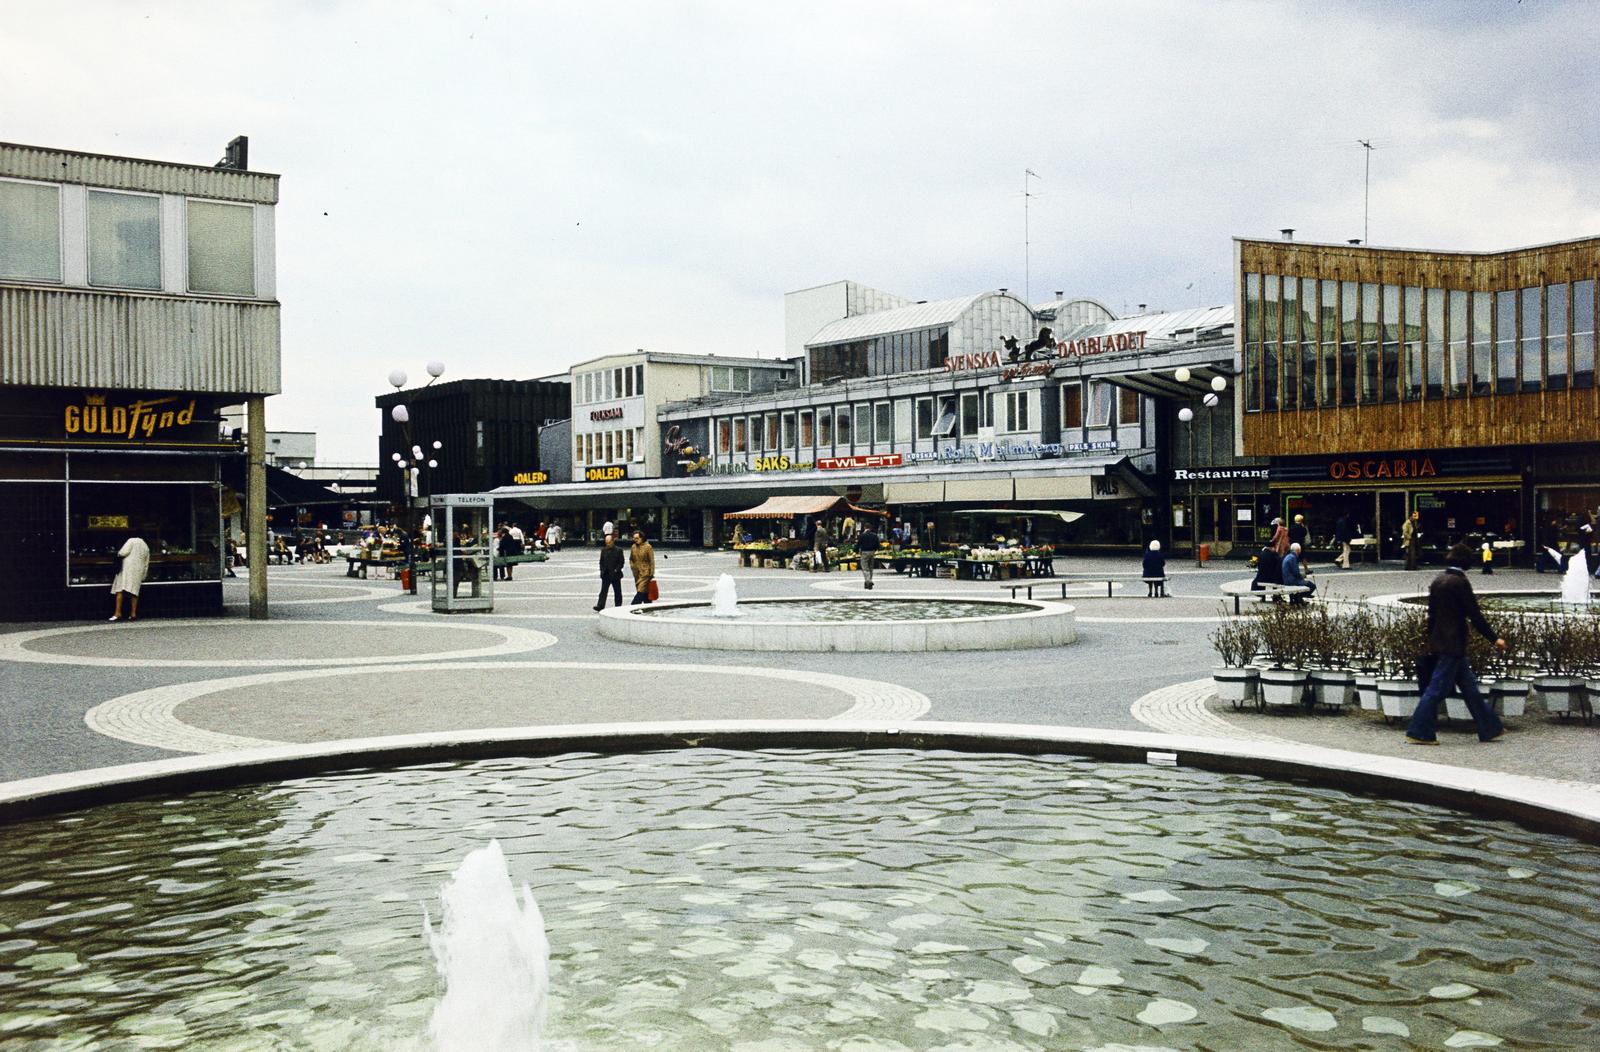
[(792, 507)]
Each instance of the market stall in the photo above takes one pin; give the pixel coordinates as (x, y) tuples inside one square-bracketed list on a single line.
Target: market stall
[(785, 519)]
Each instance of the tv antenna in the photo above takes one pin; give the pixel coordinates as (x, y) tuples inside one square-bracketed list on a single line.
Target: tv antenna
[(1366, 189), (1027, 284)]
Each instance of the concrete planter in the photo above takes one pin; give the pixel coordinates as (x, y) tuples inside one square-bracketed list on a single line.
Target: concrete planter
[(1562, 695), (1397, 698), (1283, 687), (1367, 692), (1334, 688), (1509, 696), (1238, 686)]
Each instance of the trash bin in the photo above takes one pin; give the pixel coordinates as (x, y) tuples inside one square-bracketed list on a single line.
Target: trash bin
[(1205, 553), (405, 578)]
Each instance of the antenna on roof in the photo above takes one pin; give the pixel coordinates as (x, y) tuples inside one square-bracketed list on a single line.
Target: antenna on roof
[(1366, 189), (1027, 286)]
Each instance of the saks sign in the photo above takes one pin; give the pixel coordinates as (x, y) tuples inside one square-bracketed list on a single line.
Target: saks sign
[(141, 418)]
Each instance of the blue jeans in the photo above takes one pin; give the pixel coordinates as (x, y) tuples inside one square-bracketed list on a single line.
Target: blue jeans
[(1452, 671)]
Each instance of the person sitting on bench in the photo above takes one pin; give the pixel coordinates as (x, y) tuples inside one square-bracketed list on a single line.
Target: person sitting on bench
[(1295, 576), (1269, 569), (1155, 567)]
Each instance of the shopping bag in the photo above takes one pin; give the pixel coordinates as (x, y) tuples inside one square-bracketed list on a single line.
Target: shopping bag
[(652, 591)]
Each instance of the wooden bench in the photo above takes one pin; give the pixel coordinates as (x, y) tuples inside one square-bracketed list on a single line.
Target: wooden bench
[(1083, 578), (356, 565), (1242, 590)]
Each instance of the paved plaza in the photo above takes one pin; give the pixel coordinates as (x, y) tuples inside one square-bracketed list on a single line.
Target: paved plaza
[(344, 658)]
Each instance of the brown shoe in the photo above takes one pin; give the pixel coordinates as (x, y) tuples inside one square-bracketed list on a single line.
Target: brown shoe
[(1494, 737), (1421, 741)]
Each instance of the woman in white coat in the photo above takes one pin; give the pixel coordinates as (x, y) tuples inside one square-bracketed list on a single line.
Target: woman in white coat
[(135, 555)]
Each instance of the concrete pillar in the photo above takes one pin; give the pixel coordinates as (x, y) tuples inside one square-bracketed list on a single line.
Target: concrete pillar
[(256, 528)]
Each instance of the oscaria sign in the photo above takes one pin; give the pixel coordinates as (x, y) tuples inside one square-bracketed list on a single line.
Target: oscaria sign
[(1383, 468), (141, 418)]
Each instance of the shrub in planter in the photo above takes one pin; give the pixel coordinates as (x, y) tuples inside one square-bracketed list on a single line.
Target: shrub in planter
[(1404, 635), (1332, 682), (1555, 643), (1235, 642), (1286, 640)]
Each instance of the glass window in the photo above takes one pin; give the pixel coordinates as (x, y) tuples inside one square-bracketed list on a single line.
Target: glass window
[(124, 240), (1413, 370), (1269, 350), (1071, 405), (1432, 338), (1456, 338), (607, 454), (628, 435), (1349, 340), (944, 426), (824, 428), (843, 434), (1308, 342), (1481, 353), (1252, 347), (577, 449), (787, 434), (638, 379), (1505, 342), (179, 522), (902, 420), (724, 436), (605, 384), (1099, 404), (740, 375), (771, 444), (1391, 344), (1369, 343), (638, 451), (863, 425), (627, 383), (807, 430), (1127, 406), (222, 248), (1583, 333), (924, 418), (1289, 354), (738, 435), (882, 423), (720, 378), (971, 420), (30, 231), (1555, 337), (1532, 330), (1328, 314), (755, 434)]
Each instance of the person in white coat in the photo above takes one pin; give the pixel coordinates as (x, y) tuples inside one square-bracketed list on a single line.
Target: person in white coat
[(135, 555)]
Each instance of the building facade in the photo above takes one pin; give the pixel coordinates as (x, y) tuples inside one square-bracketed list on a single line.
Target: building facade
[(137, 299), (1458, 386)]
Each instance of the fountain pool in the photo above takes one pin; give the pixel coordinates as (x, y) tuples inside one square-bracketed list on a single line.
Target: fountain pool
[(840, 623), (1515, 602), (703, 899)]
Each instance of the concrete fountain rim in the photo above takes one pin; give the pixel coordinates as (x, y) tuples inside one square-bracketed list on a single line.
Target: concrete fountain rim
[(1537, 803), (1021, 608)]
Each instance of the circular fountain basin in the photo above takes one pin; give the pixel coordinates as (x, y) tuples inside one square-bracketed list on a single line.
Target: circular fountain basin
[(898, 625), (1515, 602), (701, 899)]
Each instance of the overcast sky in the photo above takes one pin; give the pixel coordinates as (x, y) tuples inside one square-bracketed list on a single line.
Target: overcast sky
[(515, 187)]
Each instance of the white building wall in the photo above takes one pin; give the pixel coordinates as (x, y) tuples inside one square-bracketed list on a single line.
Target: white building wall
[(805, 312), (988, 321)]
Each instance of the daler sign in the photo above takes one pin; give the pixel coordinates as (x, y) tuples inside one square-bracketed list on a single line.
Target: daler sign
[(612, 473)]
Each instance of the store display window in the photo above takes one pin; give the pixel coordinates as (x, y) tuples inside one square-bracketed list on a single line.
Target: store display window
[(179, 521)]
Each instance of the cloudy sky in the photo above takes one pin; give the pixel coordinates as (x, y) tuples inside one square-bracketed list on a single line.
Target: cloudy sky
[(513, 187)]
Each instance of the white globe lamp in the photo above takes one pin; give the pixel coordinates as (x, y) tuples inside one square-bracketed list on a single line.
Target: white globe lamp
[(1219, 384), (1186, 414), (1211, 401), (400, 414), (1182, 374), (397, 378), (436, 369)]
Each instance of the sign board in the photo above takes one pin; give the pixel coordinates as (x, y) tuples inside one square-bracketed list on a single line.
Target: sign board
[(108, 522), (530, 478), (465, 500), (609, 413), (610, 473), (1217, 474), (868, 460), (111, 418)]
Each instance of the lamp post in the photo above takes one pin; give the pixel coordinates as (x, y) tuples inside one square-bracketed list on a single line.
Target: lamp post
[(411, 470), (1210, 401)]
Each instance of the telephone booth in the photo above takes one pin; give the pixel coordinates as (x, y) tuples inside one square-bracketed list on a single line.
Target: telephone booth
[(463, 553)]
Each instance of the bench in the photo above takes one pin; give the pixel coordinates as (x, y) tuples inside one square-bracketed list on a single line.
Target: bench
[(525, 557), (1081, 578), (356, 565), (1241, 590)]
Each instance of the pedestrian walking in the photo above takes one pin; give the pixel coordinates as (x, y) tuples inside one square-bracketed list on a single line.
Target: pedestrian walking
[(819, 548), (1487, 558), (642, 560), (135, 556), (1155, 571), (1280, 538), (866, 547), (1452, 605), (552, 537), (1409, 533), (1343, 534), (610, 572), (1298, 534)]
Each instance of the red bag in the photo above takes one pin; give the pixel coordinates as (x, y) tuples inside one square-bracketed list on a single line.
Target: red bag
[(652, 591)]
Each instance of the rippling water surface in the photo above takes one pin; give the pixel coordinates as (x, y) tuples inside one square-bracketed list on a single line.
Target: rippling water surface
[(809, 610), (705, 900)]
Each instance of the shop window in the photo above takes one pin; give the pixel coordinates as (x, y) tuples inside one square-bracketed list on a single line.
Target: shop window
[(1583, 333), (30, 231), (124, 240), (1100, 404), (771, 444), (1328, 313), (180, 522), (738, 435), (787, 433), (1505, 342), (924, 418), (971, 415), (577, 449), (1532, 345), (882, 423), (1071, 404), (902, 420), (944, 426), (863, 425), (824, 428), (1555, 337), (724, 437), (807, 431), (1016, 410), (607, 452), (1127, 406), (1455, 336), (842, 432), (222, 248)]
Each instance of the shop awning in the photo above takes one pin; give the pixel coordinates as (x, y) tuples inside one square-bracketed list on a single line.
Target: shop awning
[(791, 507), (1043, 513), (286, 489)]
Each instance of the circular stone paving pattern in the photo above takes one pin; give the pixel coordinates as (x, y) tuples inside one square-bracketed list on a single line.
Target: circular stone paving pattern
[(245, 644), (329, 704)]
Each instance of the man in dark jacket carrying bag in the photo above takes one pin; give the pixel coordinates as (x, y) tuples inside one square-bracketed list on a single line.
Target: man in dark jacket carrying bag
[(610, 572), (1451, 605)]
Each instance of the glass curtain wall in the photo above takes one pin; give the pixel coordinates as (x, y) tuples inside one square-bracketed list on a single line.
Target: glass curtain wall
[(1583, 309)]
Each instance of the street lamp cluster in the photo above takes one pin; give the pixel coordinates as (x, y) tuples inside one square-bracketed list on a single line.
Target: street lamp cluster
[(1212, 398), (411, 468)]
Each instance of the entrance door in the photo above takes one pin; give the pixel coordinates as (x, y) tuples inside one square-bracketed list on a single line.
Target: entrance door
[(1392, 511)]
